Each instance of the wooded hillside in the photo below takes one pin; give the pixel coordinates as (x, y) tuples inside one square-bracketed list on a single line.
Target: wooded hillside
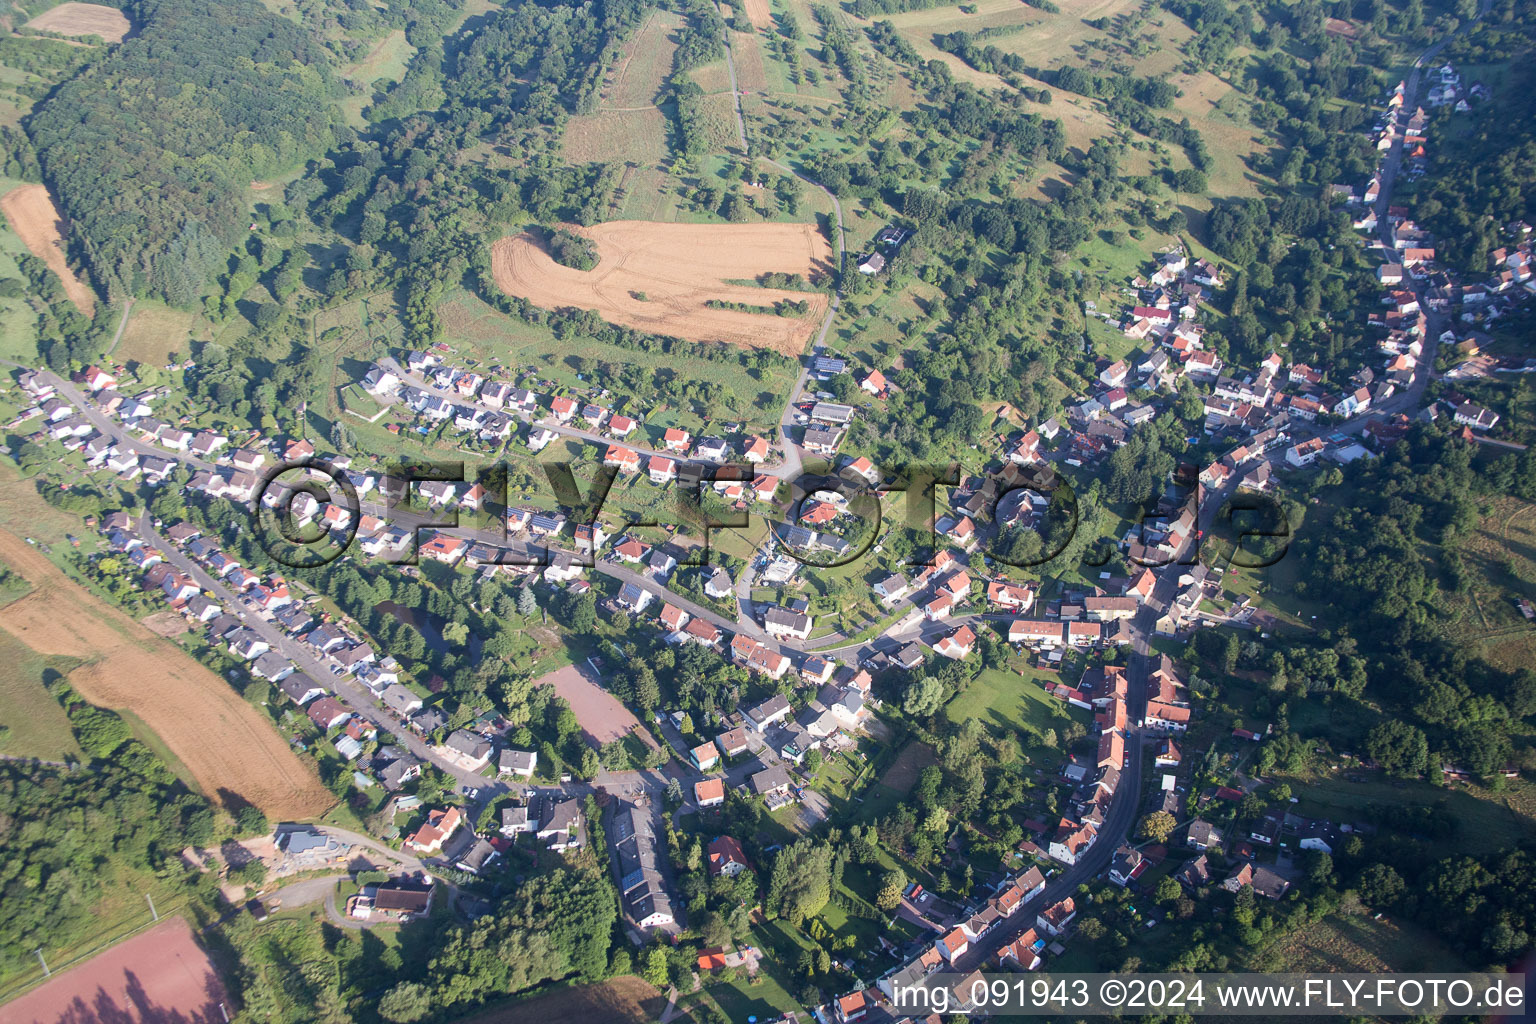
[(150, 150)]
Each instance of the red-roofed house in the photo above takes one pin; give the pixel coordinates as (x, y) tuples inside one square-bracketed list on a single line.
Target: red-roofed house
[(440, 825), (705, 755), (957, 644), (709, 792), (952, 945), (1071, 842), (1111, 750), (1010, 595), (631, 550), (662, 469), (1053, 920), (1023, 951), (726, 857), (852, 1007), (672, 616), (443, 548), (622, 459)]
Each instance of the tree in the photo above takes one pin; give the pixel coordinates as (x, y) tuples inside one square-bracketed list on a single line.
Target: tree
[(656, 967), (406, 1002), (923, 698), (891, 888), (1400, 748), (251, 821), (1157, 826), (1167, 890), (716, 932), (583, 618), (1380, 886), (801, 881), (527, 604)]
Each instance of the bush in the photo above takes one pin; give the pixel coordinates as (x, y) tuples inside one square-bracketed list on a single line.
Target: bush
[(572, 250)]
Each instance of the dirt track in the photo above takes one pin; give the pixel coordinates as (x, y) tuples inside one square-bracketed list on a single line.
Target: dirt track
[(678, 268), (158, 975), (36, 221), (232, 752)]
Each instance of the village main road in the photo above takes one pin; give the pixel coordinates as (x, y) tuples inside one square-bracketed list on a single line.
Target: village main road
[(354, 694)]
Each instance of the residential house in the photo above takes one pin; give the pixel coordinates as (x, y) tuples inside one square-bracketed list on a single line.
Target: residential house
[(429, 838), (473, 750), (771, 782), (1054, 919), (771, 711), (726, 857), (520, 763), (732, 743), (709, 792), (957, 644), (1202, 835), (784, 624)]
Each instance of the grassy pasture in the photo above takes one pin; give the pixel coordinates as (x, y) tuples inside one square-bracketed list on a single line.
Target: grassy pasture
[(37, 724), (154, 331), (1359, 943)]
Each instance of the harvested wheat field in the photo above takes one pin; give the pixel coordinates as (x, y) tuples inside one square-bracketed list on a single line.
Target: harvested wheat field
[(72, 19), (759, 14), (658, 277), (35, 219), (234, 754)]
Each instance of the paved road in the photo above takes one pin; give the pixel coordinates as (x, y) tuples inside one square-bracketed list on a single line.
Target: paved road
[(358, 697)]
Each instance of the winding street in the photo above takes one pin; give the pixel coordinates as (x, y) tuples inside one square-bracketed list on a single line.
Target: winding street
[(1128, 794)]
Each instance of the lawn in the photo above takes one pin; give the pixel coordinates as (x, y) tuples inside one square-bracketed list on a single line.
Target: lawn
[(1501, 557), (154, 331), (18, 323), (763, 997), (1015, 701)]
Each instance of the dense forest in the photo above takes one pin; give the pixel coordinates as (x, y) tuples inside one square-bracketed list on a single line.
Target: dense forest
[(151, 149)]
